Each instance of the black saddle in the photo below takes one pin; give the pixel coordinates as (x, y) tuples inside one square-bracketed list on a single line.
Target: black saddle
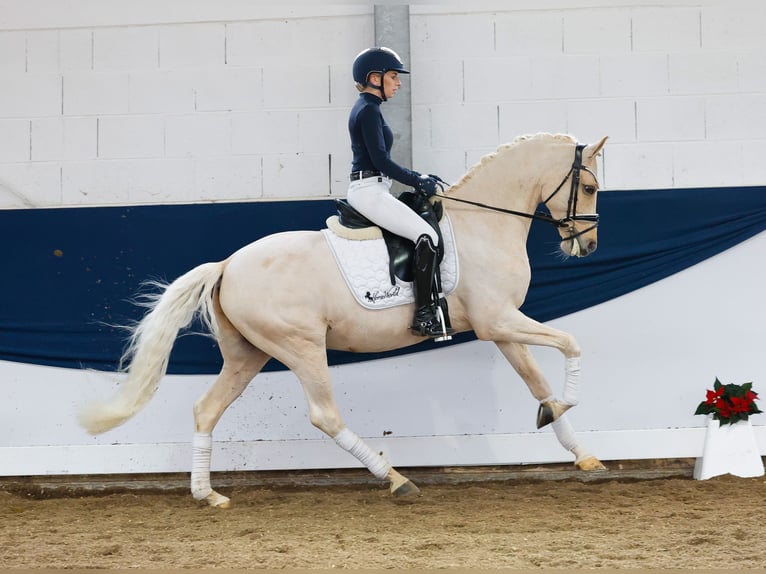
[(401, 251)]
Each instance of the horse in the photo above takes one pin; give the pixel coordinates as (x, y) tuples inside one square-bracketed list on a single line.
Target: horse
[(490, 209)]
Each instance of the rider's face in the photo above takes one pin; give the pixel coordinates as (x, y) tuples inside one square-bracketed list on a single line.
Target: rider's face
[(391, 83)]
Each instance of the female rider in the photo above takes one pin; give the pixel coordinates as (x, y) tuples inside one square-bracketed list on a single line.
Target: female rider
[(376, 74)]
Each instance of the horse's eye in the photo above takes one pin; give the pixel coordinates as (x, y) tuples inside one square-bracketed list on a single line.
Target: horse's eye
[(589, 189)]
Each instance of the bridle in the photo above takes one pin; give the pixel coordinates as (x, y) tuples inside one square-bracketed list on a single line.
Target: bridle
[(571, 217)]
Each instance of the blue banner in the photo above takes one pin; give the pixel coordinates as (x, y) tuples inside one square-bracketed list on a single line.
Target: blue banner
[(70, 274)]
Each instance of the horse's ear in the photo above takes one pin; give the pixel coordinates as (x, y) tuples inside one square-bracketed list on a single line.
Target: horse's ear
[(594, 150)]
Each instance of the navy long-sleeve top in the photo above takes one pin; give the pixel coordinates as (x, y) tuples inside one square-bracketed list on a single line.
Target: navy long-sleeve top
[(371, 141)]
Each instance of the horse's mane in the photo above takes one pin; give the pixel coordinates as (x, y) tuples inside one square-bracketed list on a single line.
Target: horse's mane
[(502, 148)]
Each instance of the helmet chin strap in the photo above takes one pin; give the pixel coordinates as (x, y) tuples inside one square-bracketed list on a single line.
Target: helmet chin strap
[(380, 87)]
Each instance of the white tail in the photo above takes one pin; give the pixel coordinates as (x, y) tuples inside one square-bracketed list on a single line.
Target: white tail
[(150, 345)]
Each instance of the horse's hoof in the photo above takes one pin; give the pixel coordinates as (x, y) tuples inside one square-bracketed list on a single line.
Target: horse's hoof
[(406, 488), (549, 411), (590, 464), (217, 500)]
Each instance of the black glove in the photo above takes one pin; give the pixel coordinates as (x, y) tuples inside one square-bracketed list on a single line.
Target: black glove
[(427, 184)]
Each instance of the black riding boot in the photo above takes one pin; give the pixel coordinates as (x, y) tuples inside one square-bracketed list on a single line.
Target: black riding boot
[(426, 322)]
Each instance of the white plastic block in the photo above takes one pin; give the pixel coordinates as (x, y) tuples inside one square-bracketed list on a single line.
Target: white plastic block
[(323, 130), (296, 86), (154, 92), (30, 95), (228, 89), (64, 139), (343, 92), (340, 167), (753, 166), (13, 52), (192, 45), (496, 79), (129, 48), (666, 29), (127, 182), (637, 166), (42, 51), (444, 36), (437, 81), (30, 184), (565, 76), (252, 43), (95, 93), (296, 175), (729, 449), (130, 137), (707, 164), (633, 75), (730, 117), (227, 178), (198, 135), (751, 68), (449, 164), (478, 125), (265, 132), (590, 120), (75, 49), (533, 32), (730, 26), (597, 30), (520, 118), (703, 72), (670, 119), (14, 141)]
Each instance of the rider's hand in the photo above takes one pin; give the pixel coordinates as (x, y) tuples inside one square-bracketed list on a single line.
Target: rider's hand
[(427, 184)]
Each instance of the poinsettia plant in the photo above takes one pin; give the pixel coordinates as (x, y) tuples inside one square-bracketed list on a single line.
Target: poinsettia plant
[(729, 403)]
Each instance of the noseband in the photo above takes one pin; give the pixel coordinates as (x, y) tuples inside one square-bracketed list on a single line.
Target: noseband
[(571, 217)]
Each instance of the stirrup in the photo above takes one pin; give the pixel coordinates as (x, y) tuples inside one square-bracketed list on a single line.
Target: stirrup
[(429, 322)]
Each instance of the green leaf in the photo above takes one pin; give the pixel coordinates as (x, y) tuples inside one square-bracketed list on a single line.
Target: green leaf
[(717, 385)]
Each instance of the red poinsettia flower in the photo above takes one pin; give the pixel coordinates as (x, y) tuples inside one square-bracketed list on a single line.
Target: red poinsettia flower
[(729, 403)]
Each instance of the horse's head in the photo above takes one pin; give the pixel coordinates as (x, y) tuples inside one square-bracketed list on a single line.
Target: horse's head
[(573, 202)]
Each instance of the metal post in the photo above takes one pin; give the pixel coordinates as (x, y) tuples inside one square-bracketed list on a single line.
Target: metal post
[(392, 30)]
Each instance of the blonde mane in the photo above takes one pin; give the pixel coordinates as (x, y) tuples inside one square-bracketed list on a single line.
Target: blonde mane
[(502, 148)]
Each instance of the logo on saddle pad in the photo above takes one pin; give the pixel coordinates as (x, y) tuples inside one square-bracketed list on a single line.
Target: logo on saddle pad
[(363, 261)]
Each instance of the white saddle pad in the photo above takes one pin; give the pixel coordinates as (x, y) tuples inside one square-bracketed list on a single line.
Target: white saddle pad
[(364, 265)]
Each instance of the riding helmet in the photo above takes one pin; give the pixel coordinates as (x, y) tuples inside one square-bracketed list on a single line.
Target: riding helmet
[(379, 60)]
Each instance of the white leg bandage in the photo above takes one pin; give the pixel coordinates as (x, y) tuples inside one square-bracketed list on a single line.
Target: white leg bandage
[(350, 442), (202, 447), (565, 434), (572, 381)]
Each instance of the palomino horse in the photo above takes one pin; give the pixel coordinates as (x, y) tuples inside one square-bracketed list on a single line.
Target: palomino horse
[(255, 306)]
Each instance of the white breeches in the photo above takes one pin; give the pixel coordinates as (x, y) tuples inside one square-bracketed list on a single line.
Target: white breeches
[(372, 198)]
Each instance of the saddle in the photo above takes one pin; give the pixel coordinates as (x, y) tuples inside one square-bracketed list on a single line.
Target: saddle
[(401, 251)]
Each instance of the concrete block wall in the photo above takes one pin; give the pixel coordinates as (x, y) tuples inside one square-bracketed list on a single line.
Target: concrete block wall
[(679, 87), (141, 106), (224, 101)]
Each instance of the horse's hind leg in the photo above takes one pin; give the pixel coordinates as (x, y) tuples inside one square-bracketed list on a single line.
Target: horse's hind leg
[(525, 365), (241, 362), (314, 375)]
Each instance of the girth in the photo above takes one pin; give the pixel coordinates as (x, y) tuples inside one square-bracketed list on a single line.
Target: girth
[(401, 251)]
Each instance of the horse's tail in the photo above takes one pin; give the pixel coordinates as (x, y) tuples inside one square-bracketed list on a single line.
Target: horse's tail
[(146, 356)]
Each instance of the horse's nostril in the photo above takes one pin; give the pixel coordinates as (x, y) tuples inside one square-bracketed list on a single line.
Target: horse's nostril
[(592, 245)]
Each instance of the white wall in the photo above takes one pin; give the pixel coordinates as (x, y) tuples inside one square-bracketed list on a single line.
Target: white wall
[(117, 102), (647, 359), (122, 102)]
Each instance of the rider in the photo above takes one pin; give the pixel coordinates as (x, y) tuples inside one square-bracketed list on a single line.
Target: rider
[(376, 75)]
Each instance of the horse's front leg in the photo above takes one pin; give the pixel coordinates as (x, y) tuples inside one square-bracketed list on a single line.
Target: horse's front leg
[(523, 362), (515, 327)]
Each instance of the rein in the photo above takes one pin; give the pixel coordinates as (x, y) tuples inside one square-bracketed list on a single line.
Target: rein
[(571, 216)]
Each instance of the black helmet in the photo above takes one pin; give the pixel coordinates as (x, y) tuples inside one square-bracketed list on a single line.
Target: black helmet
[(379, 60)]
